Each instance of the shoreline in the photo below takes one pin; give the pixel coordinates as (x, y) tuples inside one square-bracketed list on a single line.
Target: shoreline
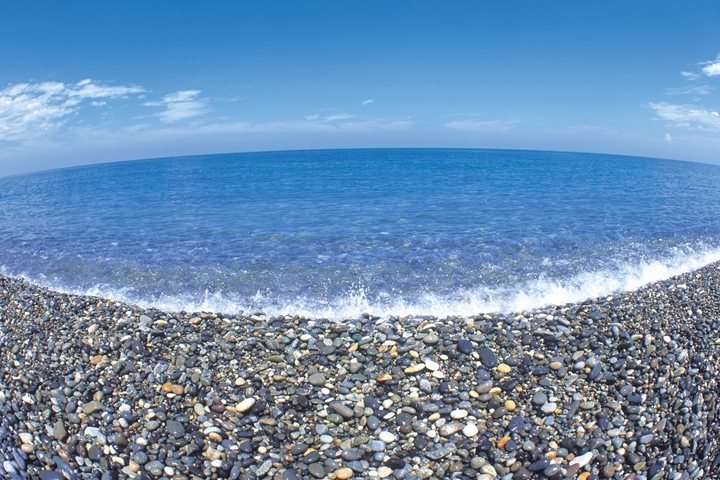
[(615, 387)]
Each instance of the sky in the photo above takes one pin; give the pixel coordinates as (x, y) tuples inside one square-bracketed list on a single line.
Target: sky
[(87, 82)]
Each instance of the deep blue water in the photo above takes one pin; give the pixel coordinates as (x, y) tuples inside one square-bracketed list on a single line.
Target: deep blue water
[(338, 233)]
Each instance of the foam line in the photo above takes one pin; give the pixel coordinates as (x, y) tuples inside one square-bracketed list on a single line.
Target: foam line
[(532, 294)]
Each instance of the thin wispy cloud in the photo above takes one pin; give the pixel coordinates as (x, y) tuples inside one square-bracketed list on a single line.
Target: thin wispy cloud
[(688, 116), (482, 125), (180, 105), (667, 138), (361, 126), (689, 90), (29, 110), (368, 102)]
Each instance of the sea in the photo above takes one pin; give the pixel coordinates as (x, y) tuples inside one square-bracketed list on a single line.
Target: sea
[(340, 233)]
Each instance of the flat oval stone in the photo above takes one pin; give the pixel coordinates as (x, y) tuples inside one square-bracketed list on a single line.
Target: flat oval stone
[(245, 405), (541, 464), (539, 398), (419, 367), (316, 470), (317, 379), (343, 410), (386, 437), (488, 358), (465, 346)]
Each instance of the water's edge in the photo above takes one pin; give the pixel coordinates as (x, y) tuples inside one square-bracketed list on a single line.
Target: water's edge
[(633, 280)]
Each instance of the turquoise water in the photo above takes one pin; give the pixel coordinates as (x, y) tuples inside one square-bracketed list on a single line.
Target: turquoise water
[(340, 232)]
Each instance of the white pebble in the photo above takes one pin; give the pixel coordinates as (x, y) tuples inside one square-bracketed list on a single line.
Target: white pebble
[(384, 472), (432, 366), (386, 437), (245, 405), (582, 460), (458, 414), (470, 430)]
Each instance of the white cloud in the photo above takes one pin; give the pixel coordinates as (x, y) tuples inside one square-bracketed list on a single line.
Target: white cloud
[(28, 110), (691, 75), (690, 89), (482, 125), (713, 68), (180, 106), (368, 101), (340, 116), (668, 138), (688, 116)]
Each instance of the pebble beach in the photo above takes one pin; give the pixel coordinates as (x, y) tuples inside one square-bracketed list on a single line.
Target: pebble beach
[(622, 387)]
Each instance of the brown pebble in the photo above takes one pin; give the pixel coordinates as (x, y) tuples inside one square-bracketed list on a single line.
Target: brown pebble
[(167, 387), (384, 377), (343, 473), (177, 390)]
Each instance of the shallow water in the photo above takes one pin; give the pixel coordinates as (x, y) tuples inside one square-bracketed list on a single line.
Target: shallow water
[(338, 233)]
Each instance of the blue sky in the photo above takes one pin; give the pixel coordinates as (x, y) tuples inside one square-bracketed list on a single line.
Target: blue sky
[(88, 82)]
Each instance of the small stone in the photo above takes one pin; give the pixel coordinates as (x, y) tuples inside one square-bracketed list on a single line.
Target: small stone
[(316, 470), (510, 405), (386, 437), (488, 358), (59, 432), (539, 398), (91, 407), (458, 414), (384, 472), (582, 460), (419, 367), (245, 405), (317, 379), (175, 428), (465, 346), (470, 430), (503, 368), (343, 473)]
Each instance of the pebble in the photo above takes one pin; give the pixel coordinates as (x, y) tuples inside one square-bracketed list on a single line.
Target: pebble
[(470, 430), (343, 473), (406, 398), (245, 405), (539, 398)]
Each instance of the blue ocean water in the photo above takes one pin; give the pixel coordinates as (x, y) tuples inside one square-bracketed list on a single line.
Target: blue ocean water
[(338, 233)]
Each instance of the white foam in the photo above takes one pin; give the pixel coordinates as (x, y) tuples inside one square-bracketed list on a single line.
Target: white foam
[(529, 295)]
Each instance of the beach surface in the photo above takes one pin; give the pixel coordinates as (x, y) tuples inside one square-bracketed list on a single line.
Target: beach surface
[(618, 387)]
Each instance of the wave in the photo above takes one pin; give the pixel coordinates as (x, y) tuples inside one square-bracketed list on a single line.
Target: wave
[(528, 295)]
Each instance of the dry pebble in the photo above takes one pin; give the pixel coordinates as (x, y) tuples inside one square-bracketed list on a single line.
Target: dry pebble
[(618, 387)]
